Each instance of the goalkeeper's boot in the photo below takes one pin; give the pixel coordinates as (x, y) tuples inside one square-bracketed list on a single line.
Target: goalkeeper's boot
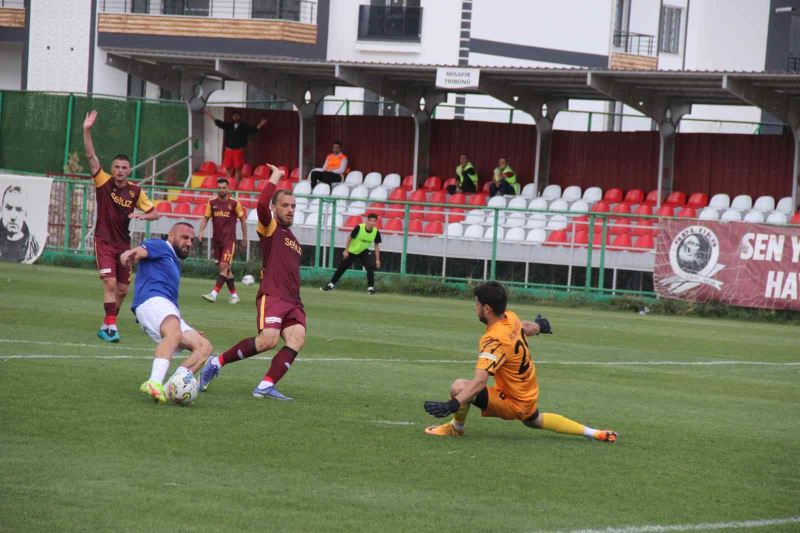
[(445, 430), (210, 297), (209, 372), (271, 393), (155, 390), (606, 435), (108, 334)]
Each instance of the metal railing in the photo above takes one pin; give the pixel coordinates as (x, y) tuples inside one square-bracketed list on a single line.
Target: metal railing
[(390, 23), (639, 44), (304, 11)]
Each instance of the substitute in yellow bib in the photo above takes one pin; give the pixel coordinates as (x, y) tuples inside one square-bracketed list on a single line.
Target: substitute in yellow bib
[(357, 249), (503, 353)]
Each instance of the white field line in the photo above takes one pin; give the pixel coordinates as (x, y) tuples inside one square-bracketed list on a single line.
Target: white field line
[(393, 422), (709, 526), (98, 345)]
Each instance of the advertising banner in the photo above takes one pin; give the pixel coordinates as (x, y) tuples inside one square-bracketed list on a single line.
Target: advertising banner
[(25, 205)]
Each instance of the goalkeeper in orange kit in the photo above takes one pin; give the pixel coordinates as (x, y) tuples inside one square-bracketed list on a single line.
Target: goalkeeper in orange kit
[(503, 353)]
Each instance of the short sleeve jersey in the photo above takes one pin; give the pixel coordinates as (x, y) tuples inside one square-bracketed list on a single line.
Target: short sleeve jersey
[(223, 215), (114, 207), (503, 352), (280, 253), (159, 274)]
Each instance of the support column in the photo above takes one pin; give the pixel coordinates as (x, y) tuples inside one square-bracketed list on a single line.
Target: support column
[(544, 140), (308, 137), (666, 160), (422, 146)]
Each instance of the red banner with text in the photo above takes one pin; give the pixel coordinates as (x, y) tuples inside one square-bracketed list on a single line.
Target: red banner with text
[(748, 265)]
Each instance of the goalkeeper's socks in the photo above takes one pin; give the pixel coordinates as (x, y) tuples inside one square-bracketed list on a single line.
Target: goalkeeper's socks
[(460, 416), (458, 426), (562, 424)]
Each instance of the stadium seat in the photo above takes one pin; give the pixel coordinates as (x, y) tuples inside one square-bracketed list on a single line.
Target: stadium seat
[(354, 177), (252, 216), (283, 184), (613, 195), (645, 226), (208, 167), (247, 170), (474, 216), (651, 198), (497, 201), (597, 239), (593, 194), (209, 182), (571, 193), (515, 219), (164, 207), (247, 184), (478, 200), (359, 192), (489, 233), (457, 199), (528, 191), (261, 171), (556, 237), (579, 206), (557, 222), (321, 189), (489, 219), (352, 221), (399, 195), (186, 197), (795, 218), (408, 183), (538, 203), (392, 181), (785, 206), (552, 192), (393, 225), (619, 225), (731, 215), (415, 226), (778, 218), (601, 207), (644, 209), (515, 235), (518, 202), (294, 175), (536, 220), (743, 202), (634, 196), (434, 227), (433, 183), (378, 208), (433, 214), (765, 204), (486, 189), (303, 187), (474, 231), (448, 182), (643, 243), (419, 195), (378, 194), (372, 180), (455, 214), (199, 210), (709, 213), (536, 236), (181, 208), (299, 217), (665, 211), (559, 205), (622, 209), (331, 223), (720, 201), (676, 199), (454, 229), (356, 208), (622, 241), (580, 238), (755, 217), (697, 200), (248, 200), (438, 197), (687, 212)]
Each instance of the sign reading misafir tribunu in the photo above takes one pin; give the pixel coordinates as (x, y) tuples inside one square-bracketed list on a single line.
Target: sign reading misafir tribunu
[(454, 78)]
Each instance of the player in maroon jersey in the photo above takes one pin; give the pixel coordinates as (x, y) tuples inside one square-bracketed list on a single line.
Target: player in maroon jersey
[(279, 309), (223, 212), (116, 200)]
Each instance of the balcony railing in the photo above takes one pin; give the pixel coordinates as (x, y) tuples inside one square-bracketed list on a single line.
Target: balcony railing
[(639, 44), (389, 23), (793, 64), (13, 3), (304, 11)]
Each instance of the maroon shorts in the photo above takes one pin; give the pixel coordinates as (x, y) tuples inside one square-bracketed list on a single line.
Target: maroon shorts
[(108, 264), (223, 252), (275, 313), (233, 157)]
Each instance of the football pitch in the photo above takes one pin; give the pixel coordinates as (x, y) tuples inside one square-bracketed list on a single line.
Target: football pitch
[(708, 413)]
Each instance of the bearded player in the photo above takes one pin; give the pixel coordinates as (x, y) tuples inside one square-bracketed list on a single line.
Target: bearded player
[(116, 200), (223, 211), (503, 353), (279, 309)]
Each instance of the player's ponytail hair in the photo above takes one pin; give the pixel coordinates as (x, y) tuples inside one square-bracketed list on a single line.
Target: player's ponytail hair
[(494, 295)]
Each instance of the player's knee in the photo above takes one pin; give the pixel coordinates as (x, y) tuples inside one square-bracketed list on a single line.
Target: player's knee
[(267, 340), (534, 421), (457, 387), (296, 341), (110, 284), (204, 347), (122, 290), (223, 267)]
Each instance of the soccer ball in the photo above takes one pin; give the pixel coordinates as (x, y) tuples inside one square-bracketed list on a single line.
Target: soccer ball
[(182, 389), (248, 280)]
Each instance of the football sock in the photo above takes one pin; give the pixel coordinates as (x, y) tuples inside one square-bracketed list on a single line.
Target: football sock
[(241, 350), (280, 365), (231, 285), (561, 424), (182, 370), (265, 384), (218, 285), (111, 314), (460, 417), (160, 367)]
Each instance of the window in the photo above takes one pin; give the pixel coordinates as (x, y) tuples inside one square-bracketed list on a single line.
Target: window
[(670, 35), (140, 6), (276, 9), (193, 8), (166, 94), (392, 22), (137, 87)]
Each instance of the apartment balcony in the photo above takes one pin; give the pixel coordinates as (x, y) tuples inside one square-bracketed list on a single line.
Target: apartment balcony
[(12, 21), (634, 51), (389, 23), (213, 27)]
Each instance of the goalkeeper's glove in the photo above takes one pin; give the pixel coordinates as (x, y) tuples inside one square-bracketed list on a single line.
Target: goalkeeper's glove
[(544, 324), (442, 409)]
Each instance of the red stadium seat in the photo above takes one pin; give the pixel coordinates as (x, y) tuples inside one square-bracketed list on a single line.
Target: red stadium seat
[(676, 199), (644, 243), (416, 212), (557, 237), (199, 210), (209, 182), (581, 238), (486, 187), (285, 170), (477, 200), (622, 241), (283, 184), (434, 227), (247, 184), (186, 197), (164, 207), (634, 196), (455, 214), (600, 207), (415, 226), (435, 214), (438, 197), (261, 171), (295, 174), (448, 182), (408, 183), (248, 201), (202, 198), (433, 183), (697, 200), (688, 212), (232, 183), (643, 227), (613, 195), (598, 239), (398, 194), (394, 225), (247, 170), (666, 211), (377, 208), (222, 171), (795, 218), (619, 226), (352, 221), (208, 167), (457, 199), (651, 198), (622, 209), (182, 208), (644, 209), (417, 196)]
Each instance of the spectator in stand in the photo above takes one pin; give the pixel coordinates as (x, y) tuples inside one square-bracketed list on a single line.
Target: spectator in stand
[(334, 168), (236, 134), (466, 176), (505, 180)]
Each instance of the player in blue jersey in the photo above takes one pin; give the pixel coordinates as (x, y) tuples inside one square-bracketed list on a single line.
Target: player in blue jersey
[(155, 304)]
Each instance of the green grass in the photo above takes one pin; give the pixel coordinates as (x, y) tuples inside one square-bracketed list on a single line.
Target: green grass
[(80, 449)]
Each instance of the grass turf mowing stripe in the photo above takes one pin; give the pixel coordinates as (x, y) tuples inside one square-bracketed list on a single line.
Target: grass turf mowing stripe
[(747, 524)]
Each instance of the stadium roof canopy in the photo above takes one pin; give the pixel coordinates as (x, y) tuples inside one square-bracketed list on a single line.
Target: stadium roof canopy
[(664, 96)]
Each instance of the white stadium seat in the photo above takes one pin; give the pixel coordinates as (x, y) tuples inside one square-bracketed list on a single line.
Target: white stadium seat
[(551, 192), (322, 189), (731, 215), (536, 220), (488, 234), (557, 222), (518, 202), (559, 205), (515, 234), (392, 181), (454, 229), (539, 203), (311, 218), (756, 217), (779, 218), (474, 231), (720, 201), (489, 219), (765, 204), (579, 206), (528, 191), (593, 194), (537, 235), (356, 208), (303, 187), (299, 218), (709, 214), (571, 193), (378, 194), (372, 180), (252, 216), (497, 201), (354, 177), (474, 216), (341, 191), (785, 206), (359, 192), (515, 219), (743, 202), (329, 219)]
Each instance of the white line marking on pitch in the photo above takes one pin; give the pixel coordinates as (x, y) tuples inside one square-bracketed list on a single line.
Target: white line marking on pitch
[(427, 361), (393, 422), (693, 527), (104, 345)]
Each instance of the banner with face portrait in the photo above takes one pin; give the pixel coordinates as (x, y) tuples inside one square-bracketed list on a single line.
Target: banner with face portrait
[(738, 263), (25, 205)]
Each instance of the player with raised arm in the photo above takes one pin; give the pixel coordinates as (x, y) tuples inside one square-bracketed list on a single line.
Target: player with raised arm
[(503, 353), (279, 310), (117, 199), (223, 211), (155, 304)]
